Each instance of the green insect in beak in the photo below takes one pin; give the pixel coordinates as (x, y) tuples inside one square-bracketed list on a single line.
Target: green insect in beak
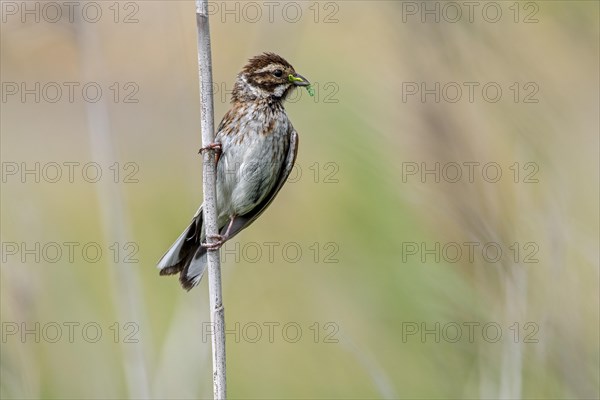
[(298, 80)]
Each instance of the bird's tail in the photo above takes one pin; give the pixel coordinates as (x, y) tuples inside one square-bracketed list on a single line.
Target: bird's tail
[(186, 256)]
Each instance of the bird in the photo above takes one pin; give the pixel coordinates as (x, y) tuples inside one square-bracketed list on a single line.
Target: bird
[(256, 148)]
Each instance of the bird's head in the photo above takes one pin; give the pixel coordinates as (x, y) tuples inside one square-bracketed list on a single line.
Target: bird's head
[(267, 76)]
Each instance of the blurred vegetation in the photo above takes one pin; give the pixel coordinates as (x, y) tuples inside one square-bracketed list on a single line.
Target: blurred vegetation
[(362, 140)]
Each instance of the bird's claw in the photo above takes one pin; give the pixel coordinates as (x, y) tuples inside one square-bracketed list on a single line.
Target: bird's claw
[(216, 147), (216, 242)]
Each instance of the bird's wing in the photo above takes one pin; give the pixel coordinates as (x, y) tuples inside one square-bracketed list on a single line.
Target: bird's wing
[(245, 220)]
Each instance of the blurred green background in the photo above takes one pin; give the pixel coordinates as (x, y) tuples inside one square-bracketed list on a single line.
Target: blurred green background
[(349, 286)]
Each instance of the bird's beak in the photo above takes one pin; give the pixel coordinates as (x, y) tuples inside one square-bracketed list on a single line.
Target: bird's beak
[(299, 80)]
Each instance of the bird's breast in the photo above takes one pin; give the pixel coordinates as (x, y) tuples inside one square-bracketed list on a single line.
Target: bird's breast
[(252, 157)]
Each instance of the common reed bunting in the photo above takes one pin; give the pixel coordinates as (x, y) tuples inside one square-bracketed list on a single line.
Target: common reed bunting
[(256, 148)]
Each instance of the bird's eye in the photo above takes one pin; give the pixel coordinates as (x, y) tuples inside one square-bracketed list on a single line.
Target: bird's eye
[(278, 73)]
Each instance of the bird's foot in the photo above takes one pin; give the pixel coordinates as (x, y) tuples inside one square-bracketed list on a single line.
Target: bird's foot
[(216, 241), (216, 147)]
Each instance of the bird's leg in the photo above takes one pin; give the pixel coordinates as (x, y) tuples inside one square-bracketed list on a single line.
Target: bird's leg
[(215, 147), (219, 239), (226, 235)]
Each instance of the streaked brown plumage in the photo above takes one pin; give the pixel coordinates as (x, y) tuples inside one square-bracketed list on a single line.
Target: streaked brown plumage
[(258, 147)]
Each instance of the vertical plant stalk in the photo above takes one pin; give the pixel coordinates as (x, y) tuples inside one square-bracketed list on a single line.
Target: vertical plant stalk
[(217, 312)]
